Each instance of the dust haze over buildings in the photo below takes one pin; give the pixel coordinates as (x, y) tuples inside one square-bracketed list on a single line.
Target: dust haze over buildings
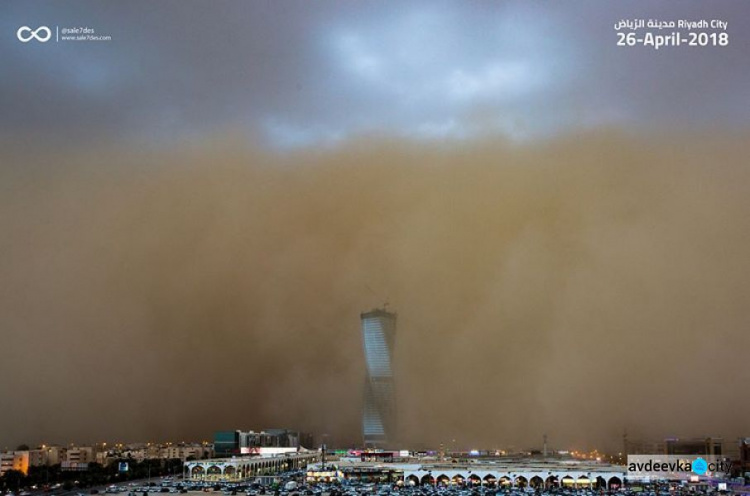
[(191, 213), (573, 288)]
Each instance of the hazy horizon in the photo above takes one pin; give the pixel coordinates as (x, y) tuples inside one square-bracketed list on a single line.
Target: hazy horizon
[(577, 288)]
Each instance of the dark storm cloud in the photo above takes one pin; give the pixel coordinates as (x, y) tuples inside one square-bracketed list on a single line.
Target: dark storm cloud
[(575, 288), (305, 72)]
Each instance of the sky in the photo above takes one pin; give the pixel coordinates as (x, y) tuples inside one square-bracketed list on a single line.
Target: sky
[(194, 213)]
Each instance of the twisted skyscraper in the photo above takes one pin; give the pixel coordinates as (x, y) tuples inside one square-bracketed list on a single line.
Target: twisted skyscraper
[(379, 413)]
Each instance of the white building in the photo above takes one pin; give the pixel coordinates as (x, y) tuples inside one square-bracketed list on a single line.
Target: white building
[(248, 467), (183, 452), (79, 454), (485, 473)]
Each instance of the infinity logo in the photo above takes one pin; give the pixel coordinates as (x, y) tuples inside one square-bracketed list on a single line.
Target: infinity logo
[(46, 34)]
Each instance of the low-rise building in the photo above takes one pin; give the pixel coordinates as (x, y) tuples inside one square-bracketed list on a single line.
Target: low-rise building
[(248, 467), (14, 460), (46, 455), (186, 451), (79, 454), (502, 473)]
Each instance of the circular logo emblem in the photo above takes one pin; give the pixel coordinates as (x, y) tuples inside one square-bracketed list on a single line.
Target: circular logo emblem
[(700, 466)]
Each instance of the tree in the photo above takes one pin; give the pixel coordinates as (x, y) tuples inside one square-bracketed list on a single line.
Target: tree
[(13, 479), (23, 447)]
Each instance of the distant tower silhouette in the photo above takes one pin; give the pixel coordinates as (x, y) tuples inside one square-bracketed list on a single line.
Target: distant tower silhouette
[(379, 413)]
